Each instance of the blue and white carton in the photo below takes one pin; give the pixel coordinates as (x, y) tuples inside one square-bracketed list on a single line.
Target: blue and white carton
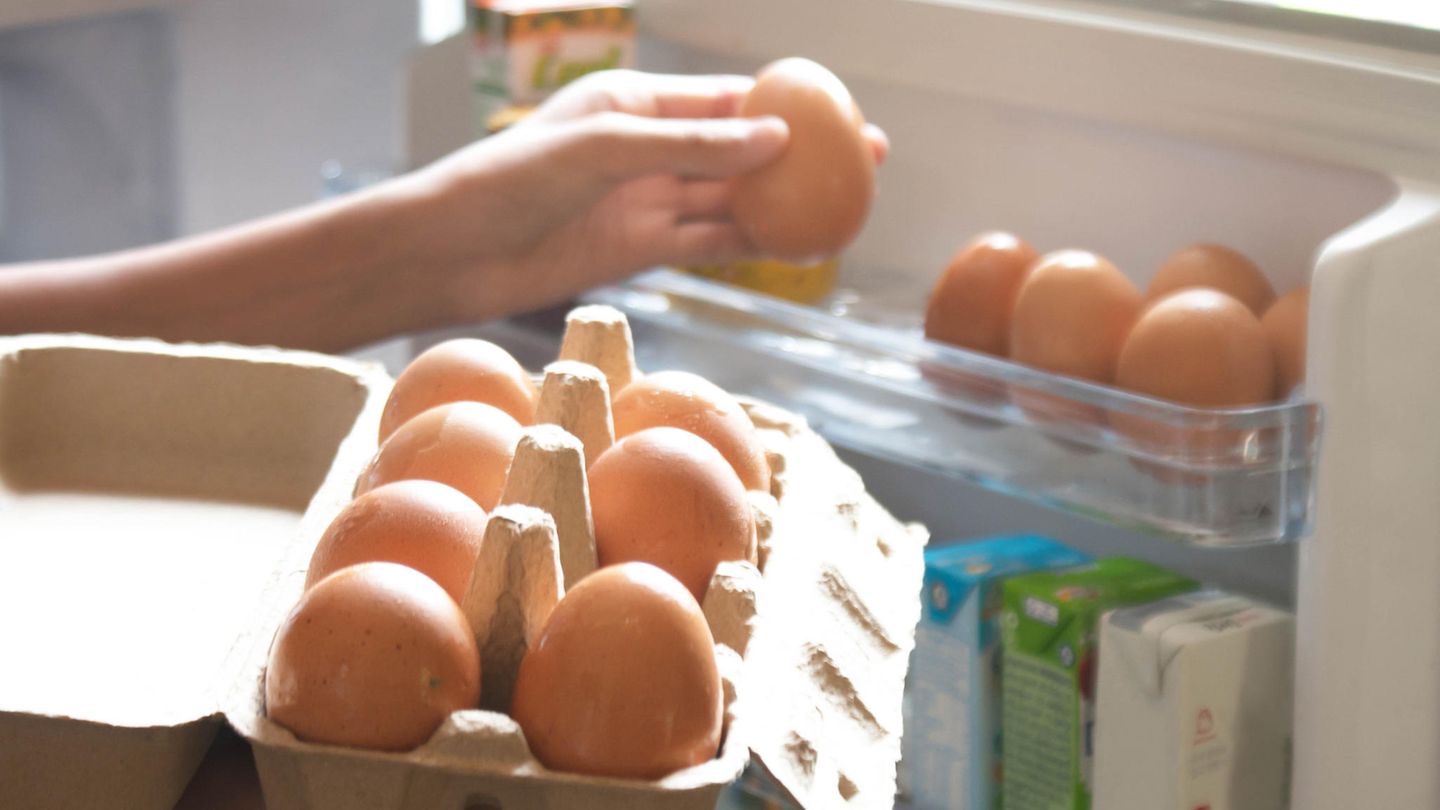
[(952, 748)]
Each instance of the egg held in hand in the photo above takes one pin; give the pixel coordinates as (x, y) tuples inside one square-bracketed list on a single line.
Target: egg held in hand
[(461, 370), (813, 200), (692, 403), (622, 681), (467, 445), (424, 525), (373, 656), (666, 497)]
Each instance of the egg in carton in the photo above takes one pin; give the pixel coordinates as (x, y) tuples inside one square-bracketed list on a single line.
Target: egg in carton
[(812, 644)]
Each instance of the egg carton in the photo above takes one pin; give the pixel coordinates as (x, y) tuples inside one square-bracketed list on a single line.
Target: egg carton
[(812, 643)]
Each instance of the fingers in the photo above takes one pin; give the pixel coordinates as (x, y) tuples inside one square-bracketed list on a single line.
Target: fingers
[(619, 147), (650, 94), (700, 96), (700, 243), (704, 199), (879, 142)]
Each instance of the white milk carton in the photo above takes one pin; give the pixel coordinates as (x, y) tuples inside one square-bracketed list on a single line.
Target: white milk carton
[(1194, 701)]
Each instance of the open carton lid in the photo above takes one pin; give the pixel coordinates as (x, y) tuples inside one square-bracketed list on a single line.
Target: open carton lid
[(143, 490)]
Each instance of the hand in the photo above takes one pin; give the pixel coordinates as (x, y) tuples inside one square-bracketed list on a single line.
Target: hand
[(618, 172)]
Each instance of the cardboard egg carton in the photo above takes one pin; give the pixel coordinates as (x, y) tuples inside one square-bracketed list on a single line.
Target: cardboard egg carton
[(812, 644)]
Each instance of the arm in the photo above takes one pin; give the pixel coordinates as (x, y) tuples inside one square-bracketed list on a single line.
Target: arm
[(329, 277), (618, 172)]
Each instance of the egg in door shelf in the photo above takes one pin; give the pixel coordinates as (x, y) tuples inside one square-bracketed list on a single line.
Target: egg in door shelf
[(812, 633)]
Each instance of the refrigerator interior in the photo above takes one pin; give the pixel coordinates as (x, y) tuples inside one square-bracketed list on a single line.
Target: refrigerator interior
[(960, 166), (1134, 134)]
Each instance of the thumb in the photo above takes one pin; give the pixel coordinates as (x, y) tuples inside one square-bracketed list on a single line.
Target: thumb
[(625, 146)]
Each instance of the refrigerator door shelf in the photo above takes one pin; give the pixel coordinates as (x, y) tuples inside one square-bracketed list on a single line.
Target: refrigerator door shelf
[(1214, 477)]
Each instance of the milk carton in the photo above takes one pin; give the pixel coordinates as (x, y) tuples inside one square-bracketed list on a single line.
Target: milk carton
[(952, 725), (1195, 700), (1048, 638)]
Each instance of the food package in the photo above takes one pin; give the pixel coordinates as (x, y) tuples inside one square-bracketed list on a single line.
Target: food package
[(1196, 697)]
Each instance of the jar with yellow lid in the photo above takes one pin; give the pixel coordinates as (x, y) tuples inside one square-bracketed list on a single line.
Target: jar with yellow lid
[(803, 284)]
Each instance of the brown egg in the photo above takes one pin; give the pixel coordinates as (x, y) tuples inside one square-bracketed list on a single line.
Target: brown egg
[(690, 402), (666, 497), (623, 681), (1215, 267), (374, 656), (971, 304), (812, 201), (467, 445), (1073, 311), (424, 525), (1198, 347), (462, 370), (1285, 325), (1201, 348)]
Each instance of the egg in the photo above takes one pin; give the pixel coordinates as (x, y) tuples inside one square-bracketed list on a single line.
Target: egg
[(375, 655), (666, 497), (622, 681), (460, 370), (692, 403), (971, 304), (1073, 311), (424, 525), (813, 200), (1198, 347), (467, 445), (1214, 267), (1201, 348), (1285, 326)]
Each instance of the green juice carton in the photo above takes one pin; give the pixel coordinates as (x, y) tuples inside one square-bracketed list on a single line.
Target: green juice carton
[(1049, 642), (952, 747)]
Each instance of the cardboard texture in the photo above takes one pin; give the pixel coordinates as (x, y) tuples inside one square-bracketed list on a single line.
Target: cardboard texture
[(600, 336), (515, 585), (548, 473), (825, 624), (144, 489), (576, 397)]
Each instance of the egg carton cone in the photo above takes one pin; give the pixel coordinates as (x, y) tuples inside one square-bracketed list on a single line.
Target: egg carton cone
[(599, 335), (144, 490), (575, 396)]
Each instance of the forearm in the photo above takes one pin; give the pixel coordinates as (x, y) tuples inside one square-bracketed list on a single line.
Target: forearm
[(330, 276)]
